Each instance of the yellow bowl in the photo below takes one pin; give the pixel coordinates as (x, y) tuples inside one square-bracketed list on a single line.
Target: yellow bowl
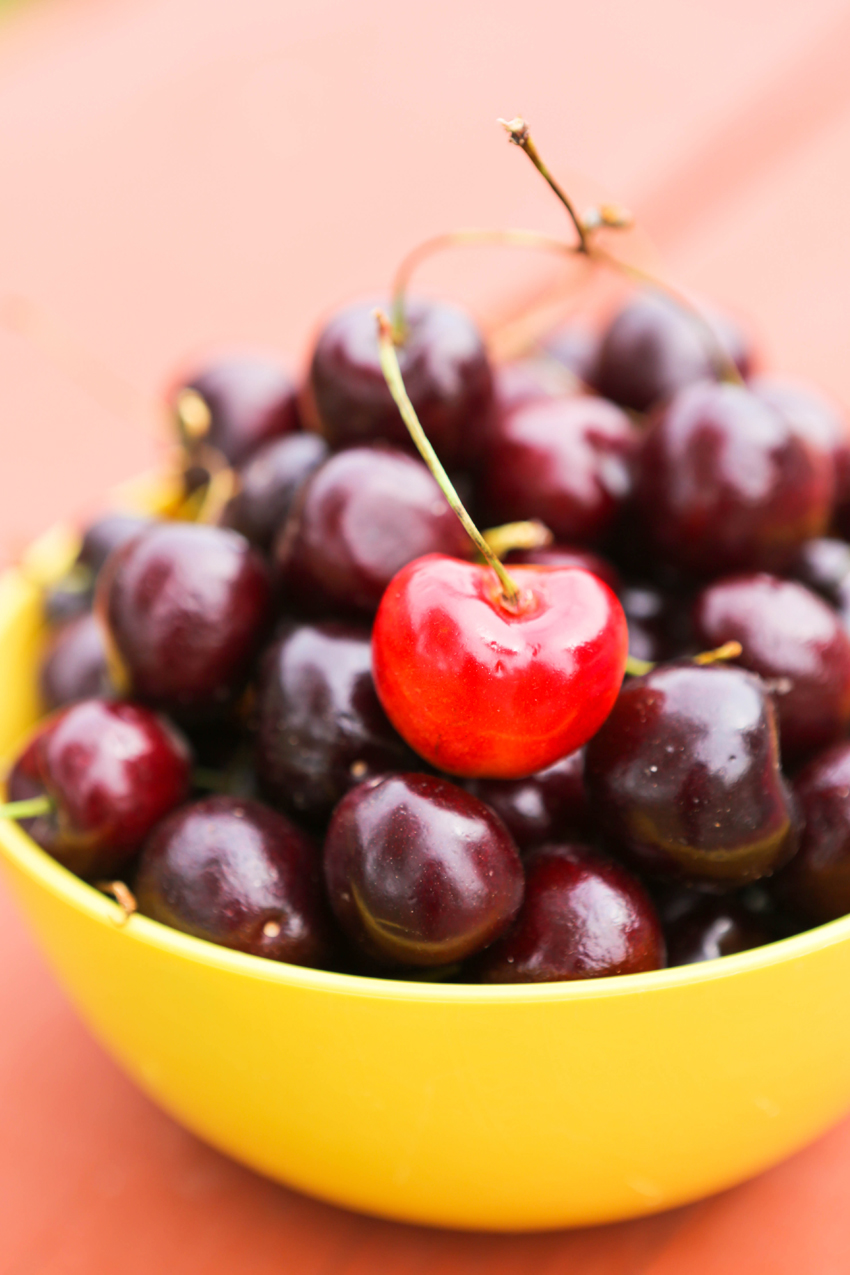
[(505, 1108)]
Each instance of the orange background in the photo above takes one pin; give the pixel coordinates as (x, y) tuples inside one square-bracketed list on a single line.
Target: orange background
[(182, 174)]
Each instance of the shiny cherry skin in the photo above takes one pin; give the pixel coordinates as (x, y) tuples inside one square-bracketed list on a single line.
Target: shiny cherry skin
[(233, 871), (824, 565), (106, 533), (74, 665), (320, 728), (363, 515), (795, 641), (113, 770), (725, 484), (420, 872), (816, 883), (528, 380), (583, 916), (446, 372), (684, 778), (557, 555), (548, 806), (566, 461), (483, 691), (653, 348), (250, 399), (268, 484), (714, 927), (812, 416), (185, 608)]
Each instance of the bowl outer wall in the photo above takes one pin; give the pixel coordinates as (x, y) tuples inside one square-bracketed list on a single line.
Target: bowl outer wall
[(500, 1108)]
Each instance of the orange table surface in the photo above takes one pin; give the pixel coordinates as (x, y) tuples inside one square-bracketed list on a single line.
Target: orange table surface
[(185, 174)]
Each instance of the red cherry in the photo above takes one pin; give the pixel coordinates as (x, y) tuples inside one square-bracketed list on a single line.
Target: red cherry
[(483, 690)]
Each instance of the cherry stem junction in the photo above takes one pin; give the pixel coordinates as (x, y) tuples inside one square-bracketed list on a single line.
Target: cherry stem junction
[(395, 382), (29, 808)]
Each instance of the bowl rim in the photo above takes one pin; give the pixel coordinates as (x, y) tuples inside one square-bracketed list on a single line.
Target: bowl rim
[(18, 847)]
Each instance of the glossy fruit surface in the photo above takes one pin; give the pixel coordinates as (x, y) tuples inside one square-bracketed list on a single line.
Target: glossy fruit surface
[(725, 484), (250, 400), (684, 776), (235, 872), (113, 770), (814, 417), (74, 664), (795, 641), (824, 565), (547, 806), (268, 483), (654, 348), (817, 881), (714, 927), (566, 461), (320, 728), (482, 691), (530, 379), (445, 369), (362, 516), (583, 916), (185, 607), (557, 555), (420, 872)]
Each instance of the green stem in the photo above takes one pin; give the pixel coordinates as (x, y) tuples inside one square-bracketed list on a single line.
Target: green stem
[(636, 667), (395, 382), (519, 134), (27, 809)]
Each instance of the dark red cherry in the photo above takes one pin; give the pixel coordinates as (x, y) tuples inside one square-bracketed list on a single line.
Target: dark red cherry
[(107, 533), (654, 347), (583, 916), (714, 927), (566, 461), (362, 516), (548, 806), (249, 400), (527, 380), (112, 771), (817, 881), (420, 872), (684, 779), (185, 607), (234, 872), (814, 417), (824, 565), (794, 640), (445, 369), (320, 725), (556, 555), (74, 665), (725, 484), (268, 484)]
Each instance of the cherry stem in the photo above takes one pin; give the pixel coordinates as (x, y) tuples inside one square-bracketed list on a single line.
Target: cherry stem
[(518, 535), (395, 383), (519, 134), (728, 651), (458, 239), (724, 365), (123, 896), (29, 808)]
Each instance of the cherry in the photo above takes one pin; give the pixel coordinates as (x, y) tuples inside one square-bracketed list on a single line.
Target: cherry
[(234, 872), (684, 776), (69, 598), (420, 872), (725, 484), (813, 417), (566, 461), (714, 927), (824, 565), (268, 483), (654, 347), (817, 881), (108, 772), (74, 665), (547, 806), (320, 725), (445, 367), (236, 405), (583, 916), (528, 380), (185, 607), (574, 346), (794, 640), (363, 515), (556, 555), (483, 689), (107, 533)]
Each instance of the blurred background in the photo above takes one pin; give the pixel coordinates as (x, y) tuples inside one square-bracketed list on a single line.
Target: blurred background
[(185, 175)]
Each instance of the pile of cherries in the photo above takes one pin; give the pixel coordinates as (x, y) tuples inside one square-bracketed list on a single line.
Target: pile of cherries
[(313, 725)]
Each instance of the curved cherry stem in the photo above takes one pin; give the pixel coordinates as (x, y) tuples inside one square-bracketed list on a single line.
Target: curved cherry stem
[(395, 382), (531, 534), (728, 651), (123, 896), (458, 239), (29, 808), (519, 135)]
